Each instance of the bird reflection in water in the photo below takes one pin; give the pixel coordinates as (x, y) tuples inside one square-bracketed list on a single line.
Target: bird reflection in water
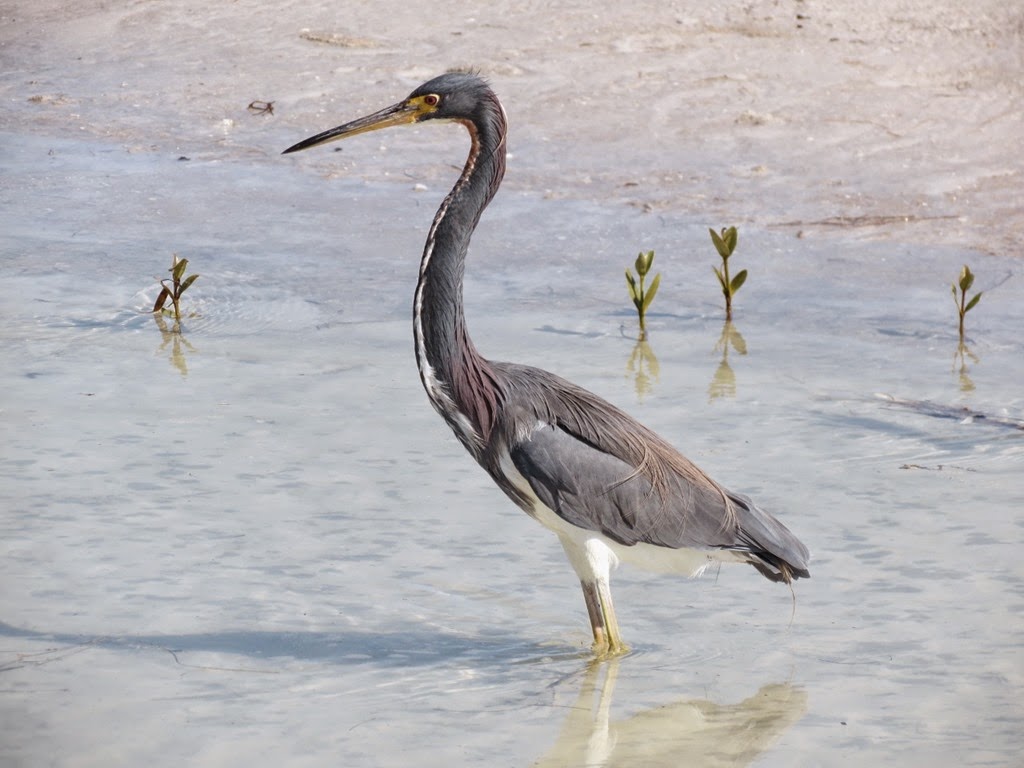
[(689, 732)]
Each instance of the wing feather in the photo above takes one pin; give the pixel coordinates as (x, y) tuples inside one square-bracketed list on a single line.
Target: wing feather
[(601, 470)]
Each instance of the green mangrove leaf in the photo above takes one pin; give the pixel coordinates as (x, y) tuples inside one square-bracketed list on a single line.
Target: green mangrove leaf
[(721, 278), (729, 236), (631, 284), (737, 281), (720, 245), (966, 280), (972, 303), (161, 299), (643, 262), (649, 296), (188, 281), (178, 269)]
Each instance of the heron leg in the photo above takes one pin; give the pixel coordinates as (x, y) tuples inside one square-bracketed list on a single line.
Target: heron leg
[(593, 560), (607, 639)]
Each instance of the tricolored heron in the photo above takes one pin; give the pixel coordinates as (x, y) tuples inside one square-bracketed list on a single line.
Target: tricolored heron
[(609, 487)]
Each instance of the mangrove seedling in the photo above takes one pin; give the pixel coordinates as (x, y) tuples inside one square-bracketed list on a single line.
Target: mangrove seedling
[(725, 244), (173, 288), (641, 295), (963, 306)]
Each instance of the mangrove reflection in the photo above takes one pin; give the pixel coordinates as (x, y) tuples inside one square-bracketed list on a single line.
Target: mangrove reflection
[(689, 732), (173, 336), (643, 367), (723, 383), (960, 358)]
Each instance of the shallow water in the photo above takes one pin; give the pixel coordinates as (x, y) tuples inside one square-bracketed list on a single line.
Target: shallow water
[(254, 543)]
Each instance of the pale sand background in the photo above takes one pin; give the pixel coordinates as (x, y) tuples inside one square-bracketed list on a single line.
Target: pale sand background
[(877, 112)]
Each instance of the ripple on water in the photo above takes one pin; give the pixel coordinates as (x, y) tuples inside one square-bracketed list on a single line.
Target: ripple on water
[(231, 305)]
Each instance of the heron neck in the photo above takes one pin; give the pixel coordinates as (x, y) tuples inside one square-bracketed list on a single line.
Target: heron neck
[(458, 380)]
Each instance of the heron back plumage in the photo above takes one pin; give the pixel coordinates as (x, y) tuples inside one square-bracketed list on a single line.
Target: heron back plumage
[(601, 470)]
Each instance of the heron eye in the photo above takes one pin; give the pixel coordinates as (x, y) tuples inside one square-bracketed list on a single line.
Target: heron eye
[(431, 100)]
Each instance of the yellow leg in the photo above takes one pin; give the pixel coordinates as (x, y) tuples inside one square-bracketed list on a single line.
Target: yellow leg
[(607, 640)]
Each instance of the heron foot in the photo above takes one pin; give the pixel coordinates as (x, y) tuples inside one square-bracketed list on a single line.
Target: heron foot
[(603, 648)]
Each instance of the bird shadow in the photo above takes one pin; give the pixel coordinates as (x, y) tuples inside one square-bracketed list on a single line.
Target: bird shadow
[(683, 732), (569, 332), (412, 648)]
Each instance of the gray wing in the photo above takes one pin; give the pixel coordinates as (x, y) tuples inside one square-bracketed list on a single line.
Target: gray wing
[(596, 490)]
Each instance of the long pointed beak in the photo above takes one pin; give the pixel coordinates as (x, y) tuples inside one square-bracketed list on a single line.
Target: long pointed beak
[(397, 114)]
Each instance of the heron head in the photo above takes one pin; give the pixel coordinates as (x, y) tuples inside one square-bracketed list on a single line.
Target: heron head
[(452, 96)]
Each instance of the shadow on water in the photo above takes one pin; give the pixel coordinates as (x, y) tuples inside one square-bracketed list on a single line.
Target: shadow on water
[(414, 648), (568, 332), (690, 731), (686, 732)]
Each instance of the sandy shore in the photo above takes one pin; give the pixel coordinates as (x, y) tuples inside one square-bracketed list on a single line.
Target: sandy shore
[(896, 120)]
